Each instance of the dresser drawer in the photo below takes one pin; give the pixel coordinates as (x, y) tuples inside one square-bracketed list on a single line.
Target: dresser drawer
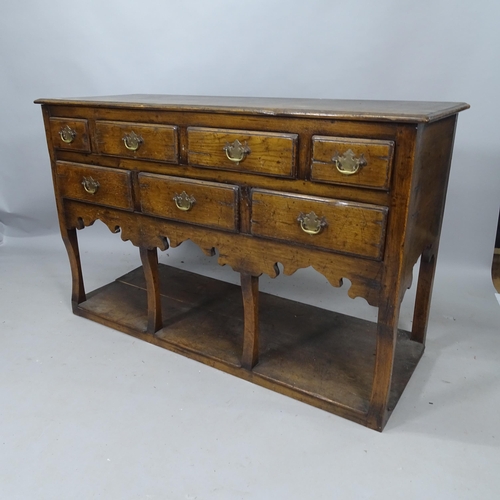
[(137, 140), (242, 150), (360, 162), (70, 133), (99, 185), (343, 226), (196, 202)]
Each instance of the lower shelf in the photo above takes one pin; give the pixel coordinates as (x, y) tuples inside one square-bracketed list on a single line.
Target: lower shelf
[(320, 357)]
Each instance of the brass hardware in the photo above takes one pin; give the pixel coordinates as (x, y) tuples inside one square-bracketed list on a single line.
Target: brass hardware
[(184, 202), (90, 185), (311, 223), (132, 141), (67, 134), (348, 164), (236, 151)]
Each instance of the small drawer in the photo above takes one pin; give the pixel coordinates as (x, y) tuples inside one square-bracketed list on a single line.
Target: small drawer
[(242, 150), (196, 202), (137, 140), (99, 185), (336, 225), (360, 162), (70, 133)]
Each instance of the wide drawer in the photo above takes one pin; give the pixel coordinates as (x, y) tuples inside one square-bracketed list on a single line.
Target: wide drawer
[(100, 185), (360, 162), (197, 202), (137, 140), (337, 225), (70, 133), (243, 150)]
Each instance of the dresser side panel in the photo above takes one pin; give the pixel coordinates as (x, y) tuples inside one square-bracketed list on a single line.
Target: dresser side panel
[(429, 186)]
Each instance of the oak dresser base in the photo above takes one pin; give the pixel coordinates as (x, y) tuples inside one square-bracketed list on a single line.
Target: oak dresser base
[(354, 189)]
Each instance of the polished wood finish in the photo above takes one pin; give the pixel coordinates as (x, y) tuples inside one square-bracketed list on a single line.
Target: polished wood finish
[(269, 153), (341, 109), (242, 252), (251, 329), (70, 240), (377, 154), (149, 258), (302, 348), (115, 188), (214, 205), (81, 141), (159, 141), (274, 215), (178, 183)]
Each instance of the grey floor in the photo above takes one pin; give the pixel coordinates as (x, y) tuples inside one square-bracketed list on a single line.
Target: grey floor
[(88, 412)]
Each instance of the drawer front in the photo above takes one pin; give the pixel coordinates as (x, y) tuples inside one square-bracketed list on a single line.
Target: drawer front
[(341, 226), (99, 185), (360, 162), (196, 202), (70, 133), (242, 150), (137, 140)]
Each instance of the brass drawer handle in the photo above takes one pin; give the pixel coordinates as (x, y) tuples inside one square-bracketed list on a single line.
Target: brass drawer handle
[(90, 185), (348, 164), (311, 223), (184, 202), (132, 141), (236, 151), (67, 134)]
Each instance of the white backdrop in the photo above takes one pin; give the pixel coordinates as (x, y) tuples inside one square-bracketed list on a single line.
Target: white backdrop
[(103, 416), (443, 50)]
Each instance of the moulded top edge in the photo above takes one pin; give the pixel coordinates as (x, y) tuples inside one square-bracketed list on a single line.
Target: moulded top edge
[(342, 109)]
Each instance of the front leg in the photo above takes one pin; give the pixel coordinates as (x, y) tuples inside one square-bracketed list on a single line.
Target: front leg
[(70, 240), (250, 292), (149, 258), (387, 329)]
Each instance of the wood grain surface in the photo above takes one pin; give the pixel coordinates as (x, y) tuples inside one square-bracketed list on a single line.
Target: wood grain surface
[(397, 111), (270, 154), (353, 228), (215, 205), (159, 141), (282, 206), (115, 189), (81, 141), (377, 155)]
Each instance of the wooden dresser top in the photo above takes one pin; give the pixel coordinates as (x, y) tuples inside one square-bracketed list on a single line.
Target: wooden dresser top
[(391, 111)]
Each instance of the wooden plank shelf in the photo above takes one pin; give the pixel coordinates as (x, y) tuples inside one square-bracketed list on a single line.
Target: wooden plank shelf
[(317, 356)]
